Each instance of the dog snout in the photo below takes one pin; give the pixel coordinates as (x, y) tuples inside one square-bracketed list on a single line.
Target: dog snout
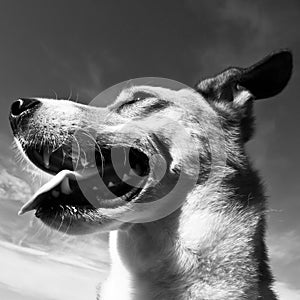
[(19, 108)]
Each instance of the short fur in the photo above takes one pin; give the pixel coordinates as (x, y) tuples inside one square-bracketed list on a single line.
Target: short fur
[(212, 247)]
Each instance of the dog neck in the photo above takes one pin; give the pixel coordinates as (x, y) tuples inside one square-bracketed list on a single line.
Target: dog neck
[(210, 248)]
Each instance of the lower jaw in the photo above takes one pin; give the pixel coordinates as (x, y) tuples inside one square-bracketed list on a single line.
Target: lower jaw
[(63, 211), (83, 223), (76, 216), (77, 219)]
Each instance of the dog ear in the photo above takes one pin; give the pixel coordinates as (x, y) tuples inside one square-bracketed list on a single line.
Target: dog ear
[(262, 80), (236, 88)]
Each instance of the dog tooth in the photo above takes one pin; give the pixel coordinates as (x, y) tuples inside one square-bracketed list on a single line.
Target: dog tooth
[(84, 161), (138, 169), (125, 177), (65, 186), (132, 173), (125, 157), (46, 157), (64, 157), (124, 197)]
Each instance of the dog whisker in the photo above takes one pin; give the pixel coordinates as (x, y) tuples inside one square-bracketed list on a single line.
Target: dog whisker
[(184, 205)]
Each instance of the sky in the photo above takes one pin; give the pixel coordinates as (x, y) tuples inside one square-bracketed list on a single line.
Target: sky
[(76, 49)]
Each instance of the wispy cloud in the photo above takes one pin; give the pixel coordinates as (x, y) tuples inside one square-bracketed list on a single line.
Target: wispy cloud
[(220, 33), (26, 247), (13, 188), (33, 273)]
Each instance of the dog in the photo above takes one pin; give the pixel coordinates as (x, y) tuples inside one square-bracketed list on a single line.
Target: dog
[(166, 172)]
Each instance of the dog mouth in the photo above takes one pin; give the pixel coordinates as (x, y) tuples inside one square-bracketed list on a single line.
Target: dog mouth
[(108, 177)]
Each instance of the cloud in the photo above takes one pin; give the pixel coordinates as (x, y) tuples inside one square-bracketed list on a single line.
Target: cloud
[(285, 258), (285, 292), (285, 247), (219, 33), (7, 292), (32, 274), (13, 188)]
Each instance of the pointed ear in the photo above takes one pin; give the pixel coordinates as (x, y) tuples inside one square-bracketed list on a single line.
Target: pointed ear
[(232, 91), (262, 80), (269, 76)]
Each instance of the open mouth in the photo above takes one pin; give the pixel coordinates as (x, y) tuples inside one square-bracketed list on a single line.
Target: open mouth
[(108, 177)]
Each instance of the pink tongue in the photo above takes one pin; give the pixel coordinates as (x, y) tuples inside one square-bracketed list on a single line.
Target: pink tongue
[(59, 178)]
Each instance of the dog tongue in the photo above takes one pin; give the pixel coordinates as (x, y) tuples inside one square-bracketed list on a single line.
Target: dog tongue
[(58, 179)]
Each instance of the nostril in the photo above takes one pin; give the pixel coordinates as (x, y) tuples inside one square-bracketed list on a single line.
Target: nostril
[(16, 107), (22, 104)]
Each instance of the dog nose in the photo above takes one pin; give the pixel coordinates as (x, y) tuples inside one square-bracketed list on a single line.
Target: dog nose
[(22, 105), (18, 108)]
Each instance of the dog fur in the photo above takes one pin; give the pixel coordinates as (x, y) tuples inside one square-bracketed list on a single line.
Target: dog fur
[(210, 248)]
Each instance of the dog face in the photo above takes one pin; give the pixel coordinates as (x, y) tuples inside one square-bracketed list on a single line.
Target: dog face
[(112, 164)]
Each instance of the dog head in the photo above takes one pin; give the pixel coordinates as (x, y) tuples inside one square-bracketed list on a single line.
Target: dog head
[(139, 158)]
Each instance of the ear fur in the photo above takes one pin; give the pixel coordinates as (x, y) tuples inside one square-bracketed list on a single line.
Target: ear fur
[(234, 89), (265, 79)]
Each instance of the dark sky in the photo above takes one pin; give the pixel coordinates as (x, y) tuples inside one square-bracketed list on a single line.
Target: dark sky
[(78, 48), (71, 47)]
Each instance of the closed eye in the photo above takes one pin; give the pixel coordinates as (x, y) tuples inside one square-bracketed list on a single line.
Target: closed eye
[(136, 97), (141, 96)]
